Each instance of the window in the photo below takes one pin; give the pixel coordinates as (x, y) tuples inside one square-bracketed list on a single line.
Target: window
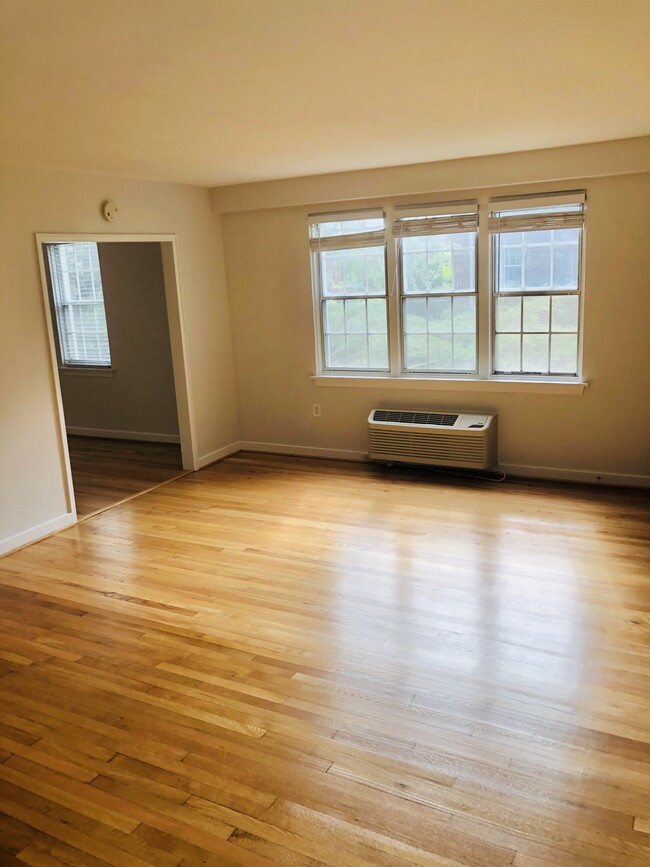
[(481, 290), (349, 265), (536, 254), (78, 302), (437, 257)]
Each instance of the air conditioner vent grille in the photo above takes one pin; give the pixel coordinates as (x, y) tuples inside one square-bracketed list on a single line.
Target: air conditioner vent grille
[(410, 445), (434, 418), (436, 438)]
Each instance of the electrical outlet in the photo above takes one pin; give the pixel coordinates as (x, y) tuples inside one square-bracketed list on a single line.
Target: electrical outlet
[(315, 408)]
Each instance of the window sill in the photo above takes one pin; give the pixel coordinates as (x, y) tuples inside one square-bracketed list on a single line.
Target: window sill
[(514, 386), (87, 371)]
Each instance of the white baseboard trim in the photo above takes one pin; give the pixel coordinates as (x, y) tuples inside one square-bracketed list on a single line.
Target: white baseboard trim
[(558, 474), (590, 477), (34, 534), (138, 436), (304, 451), (219, 454)]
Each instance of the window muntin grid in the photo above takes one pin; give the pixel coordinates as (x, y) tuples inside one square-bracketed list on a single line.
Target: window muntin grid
[(350, 257), (536, 299), (438, 302)]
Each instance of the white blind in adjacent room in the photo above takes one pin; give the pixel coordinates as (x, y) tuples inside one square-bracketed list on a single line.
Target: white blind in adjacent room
[(79, 304)]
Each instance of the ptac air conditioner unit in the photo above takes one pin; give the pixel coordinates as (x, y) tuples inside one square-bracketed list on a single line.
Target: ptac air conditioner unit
[(447, 439)]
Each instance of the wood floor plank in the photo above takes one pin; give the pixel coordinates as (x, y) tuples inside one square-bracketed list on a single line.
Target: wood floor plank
[(289, 661), (106, 471)]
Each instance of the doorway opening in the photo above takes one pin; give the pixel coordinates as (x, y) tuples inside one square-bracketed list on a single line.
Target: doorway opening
[(116, 332)]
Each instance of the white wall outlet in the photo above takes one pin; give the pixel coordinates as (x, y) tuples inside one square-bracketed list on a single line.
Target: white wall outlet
[(315, 408)]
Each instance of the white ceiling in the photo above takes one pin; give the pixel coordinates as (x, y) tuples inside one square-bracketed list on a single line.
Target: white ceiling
[(217, 92)]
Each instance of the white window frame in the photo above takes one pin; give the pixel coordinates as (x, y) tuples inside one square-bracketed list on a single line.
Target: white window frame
[(483, 379), (549, 220), (67, 363), (455, 215), (343, 242)]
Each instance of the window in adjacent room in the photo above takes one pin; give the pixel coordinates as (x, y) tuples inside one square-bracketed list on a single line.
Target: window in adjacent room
[(78, 302), (349, 268)]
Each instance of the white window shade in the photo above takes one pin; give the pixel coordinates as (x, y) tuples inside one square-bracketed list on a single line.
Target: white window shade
[(347, 230), (436, 220), (79, 304), (526, 215)]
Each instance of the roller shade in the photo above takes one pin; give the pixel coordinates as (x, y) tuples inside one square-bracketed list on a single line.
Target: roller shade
[(448, 219), (347, 230), (536, 215)]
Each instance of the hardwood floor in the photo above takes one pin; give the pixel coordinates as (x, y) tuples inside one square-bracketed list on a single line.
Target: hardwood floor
[(287, 661), (105, 472)]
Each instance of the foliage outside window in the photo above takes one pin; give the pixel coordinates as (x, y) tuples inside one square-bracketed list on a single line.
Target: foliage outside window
[(411, 307)]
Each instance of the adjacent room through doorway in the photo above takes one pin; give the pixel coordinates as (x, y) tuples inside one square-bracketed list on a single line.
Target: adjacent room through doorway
[(115, 368)]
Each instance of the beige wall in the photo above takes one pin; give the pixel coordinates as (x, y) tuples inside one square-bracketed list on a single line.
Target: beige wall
[(139, 396), (32, 488), (604, 430)]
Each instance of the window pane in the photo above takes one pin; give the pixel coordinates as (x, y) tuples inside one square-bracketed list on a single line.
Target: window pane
[(535, 353), (377, 316), (355, 316), (463, 279), (353, 272), (537, 264), (565, 265), (79, 304), (415, 351), (357, 350), (507, 348), (538, 260), (439, 263), (510, 261), (348, 343), (536, 313), (565, 313), (333, 317), (508, 314), (439, 310), (378, 351), (440, 352), (415, 315), (331, 228), (464, 314), (564, 353), (335, 354), (440, 271), (464, 351), (414, 270)]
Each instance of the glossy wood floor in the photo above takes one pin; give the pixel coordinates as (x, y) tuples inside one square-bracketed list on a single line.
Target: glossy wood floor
[(284, 661), (105, 472)]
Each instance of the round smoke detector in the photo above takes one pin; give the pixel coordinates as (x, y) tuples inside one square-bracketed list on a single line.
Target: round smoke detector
[(109, 211)]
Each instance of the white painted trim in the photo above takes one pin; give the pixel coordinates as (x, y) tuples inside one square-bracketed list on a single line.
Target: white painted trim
[(86, 371), (35, 534), (593, 477), (138, 436), (103, 238), (304, 451), (64, 456), (180, 361), (514, 386), (590, 477), (218, 454)]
